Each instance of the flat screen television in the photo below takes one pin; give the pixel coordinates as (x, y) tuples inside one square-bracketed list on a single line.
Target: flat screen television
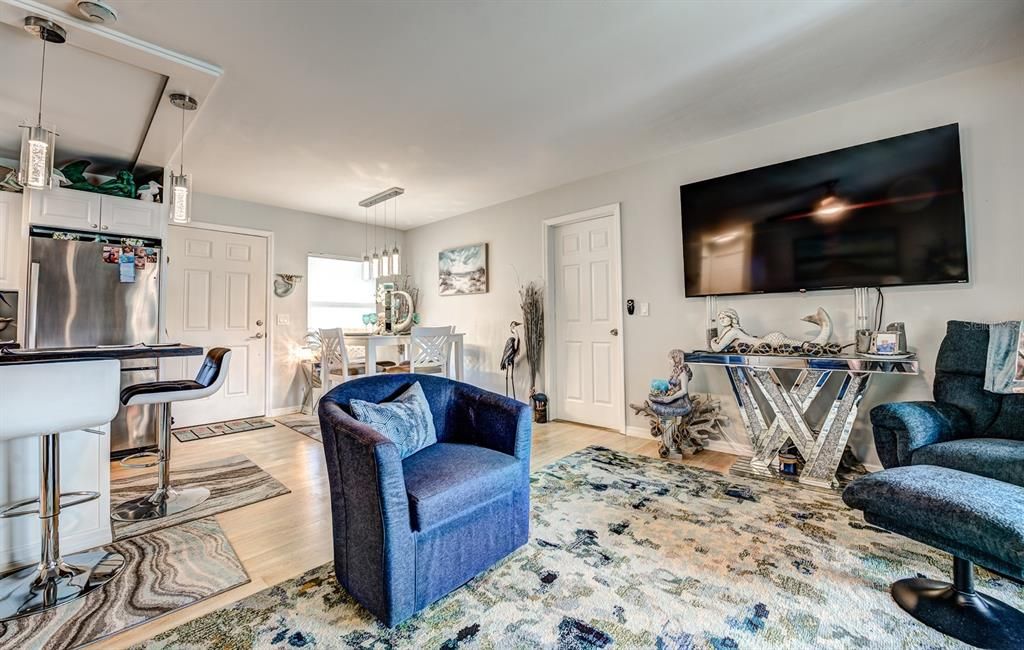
[(882, 214)]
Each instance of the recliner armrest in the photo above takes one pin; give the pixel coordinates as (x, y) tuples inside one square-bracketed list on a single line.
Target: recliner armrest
[(900, 428), (489, 420)]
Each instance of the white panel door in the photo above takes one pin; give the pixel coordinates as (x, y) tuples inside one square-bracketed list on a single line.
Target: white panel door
[(587, 322), (217, 297)]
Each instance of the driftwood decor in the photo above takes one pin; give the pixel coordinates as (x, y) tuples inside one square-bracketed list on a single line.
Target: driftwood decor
[(682, 422)]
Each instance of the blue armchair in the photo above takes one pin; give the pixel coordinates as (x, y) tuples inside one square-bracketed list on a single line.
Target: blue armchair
[(407, 532), (966, 428)]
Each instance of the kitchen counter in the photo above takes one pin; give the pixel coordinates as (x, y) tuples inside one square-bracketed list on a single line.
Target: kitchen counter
[(86, 457), (120, 352)]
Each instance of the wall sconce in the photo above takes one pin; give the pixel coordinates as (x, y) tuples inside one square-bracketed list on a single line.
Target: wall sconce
[(284, 284)]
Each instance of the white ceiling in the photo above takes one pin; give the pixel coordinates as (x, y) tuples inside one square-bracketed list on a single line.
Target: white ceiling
[(467, 104), (101, 107)]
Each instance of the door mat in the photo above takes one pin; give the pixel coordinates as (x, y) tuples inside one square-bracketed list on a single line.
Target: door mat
[(220, 429)]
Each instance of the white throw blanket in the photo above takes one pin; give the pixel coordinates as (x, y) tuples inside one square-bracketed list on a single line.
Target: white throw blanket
[(1004, 372)]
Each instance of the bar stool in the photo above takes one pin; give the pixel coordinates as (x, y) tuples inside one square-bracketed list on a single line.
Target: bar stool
[(55, 397), (167, 500)]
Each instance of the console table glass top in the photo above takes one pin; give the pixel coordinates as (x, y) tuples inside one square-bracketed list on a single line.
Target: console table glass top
[(849, 363), (755, 381)]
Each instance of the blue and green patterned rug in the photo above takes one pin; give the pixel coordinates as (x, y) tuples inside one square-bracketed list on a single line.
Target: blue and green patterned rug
[(633, 552)]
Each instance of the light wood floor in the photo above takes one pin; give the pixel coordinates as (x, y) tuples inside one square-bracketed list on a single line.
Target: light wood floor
[(282, 537)]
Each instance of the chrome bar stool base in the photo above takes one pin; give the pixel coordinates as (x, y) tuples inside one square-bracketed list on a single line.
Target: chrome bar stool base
[(167, 500), (160, 504), (35, 589)]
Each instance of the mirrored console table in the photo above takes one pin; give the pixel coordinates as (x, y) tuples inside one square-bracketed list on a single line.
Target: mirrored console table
[(789, 401)]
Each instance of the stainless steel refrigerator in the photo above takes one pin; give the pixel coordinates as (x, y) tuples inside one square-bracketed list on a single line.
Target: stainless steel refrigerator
[(81, 295)]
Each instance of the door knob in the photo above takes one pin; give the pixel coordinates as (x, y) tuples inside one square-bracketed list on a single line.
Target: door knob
[(259, 323), (259, 335), (614, 331)]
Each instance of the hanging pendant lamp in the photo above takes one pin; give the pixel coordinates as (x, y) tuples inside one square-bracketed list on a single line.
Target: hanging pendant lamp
[(379, 263), (374, 258), (367, 273), (181, 183), (396, 259), (35, 167)]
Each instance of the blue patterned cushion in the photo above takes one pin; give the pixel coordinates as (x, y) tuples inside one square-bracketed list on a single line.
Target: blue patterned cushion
[(406, 420)]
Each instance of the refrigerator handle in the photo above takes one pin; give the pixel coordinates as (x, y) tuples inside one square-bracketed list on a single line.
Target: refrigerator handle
[(33, 302)]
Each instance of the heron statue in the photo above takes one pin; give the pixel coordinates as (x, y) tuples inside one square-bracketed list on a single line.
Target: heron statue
[(508, 358)]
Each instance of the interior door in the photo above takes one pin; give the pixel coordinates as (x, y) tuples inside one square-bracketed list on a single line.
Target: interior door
[(587, 321), (217, 297)]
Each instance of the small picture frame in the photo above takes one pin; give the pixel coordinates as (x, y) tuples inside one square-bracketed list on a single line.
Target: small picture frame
[(887, 342)]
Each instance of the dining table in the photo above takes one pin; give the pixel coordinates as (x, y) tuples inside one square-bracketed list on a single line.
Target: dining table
[(372, 343)]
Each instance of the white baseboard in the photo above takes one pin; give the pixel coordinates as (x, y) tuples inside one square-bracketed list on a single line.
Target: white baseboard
[(284, 410)]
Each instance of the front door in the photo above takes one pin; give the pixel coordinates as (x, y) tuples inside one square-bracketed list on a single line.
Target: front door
[(217, 297), (587, 322)]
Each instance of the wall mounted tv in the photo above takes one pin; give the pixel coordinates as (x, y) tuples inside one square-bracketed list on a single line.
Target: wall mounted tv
[(883, 214)]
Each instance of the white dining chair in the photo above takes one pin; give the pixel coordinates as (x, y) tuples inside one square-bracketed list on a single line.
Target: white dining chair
[(430, 351), (336, 366)]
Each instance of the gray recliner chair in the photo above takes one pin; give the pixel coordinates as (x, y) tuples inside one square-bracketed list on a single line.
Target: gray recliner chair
[(966, 428), (954, 480)]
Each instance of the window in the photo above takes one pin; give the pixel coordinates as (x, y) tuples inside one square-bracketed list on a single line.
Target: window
[(337, 294)]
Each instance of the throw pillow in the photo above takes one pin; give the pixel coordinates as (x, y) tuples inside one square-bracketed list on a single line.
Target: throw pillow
[(406, 420)]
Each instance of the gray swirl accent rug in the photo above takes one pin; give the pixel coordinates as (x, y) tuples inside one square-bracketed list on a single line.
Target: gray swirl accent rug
[(233, 482), (632, 552), (307, 425), (165, 571)]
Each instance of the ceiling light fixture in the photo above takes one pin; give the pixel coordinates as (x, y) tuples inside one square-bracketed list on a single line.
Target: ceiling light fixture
[(386, 262), (181, 183), (97, 11), (35, 169)]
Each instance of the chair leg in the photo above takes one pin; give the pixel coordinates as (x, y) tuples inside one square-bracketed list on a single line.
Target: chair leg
[(165, 500), (56, 580), (959, 611)]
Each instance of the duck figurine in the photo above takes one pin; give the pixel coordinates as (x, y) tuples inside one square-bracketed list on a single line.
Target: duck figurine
[(149, 192)]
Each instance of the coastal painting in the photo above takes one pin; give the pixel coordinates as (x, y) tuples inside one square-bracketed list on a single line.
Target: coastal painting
[(462, 270)]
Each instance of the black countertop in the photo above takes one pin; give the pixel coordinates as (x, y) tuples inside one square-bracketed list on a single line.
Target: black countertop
[(140, 351)]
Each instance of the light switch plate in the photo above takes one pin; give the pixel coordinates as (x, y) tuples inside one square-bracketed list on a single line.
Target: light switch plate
[(645, 309), (284, 319)]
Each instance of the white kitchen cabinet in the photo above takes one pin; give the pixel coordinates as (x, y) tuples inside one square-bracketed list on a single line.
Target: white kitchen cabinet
[(12, 246), (131, 217), (65, 209), (86, 211)]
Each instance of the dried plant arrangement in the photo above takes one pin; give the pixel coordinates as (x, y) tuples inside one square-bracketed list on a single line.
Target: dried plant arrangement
[(531, 300)]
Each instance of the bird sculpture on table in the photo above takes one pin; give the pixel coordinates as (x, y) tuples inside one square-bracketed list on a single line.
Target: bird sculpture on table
[(508, 358)]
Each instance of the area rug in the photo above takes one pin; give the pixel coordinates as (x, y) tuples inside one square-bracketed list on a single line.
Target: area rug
[(205, 431), (307, 425), (233, 482), (632, 552), (165, 571)]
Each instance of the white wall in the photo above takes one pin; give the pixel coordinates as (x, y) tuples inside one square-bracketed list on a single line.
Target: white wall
[(296, 235), (988, 103)]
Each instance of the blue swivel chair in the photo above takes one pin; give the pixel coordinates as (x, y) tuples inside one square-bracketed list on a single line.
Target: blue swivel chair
[(408, 532)]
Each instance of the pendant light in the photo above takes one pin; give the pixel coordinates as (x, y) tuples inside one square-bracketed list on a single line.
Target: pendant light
[(181, 183), (375, 258), (367, 273), (379, 263), (396, 259), (35, 169)]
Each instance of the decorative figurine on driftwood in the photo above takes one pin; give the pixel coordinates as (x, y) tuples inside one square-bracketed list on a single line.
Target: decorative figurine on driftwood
[(683, 423), (733, 338)]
